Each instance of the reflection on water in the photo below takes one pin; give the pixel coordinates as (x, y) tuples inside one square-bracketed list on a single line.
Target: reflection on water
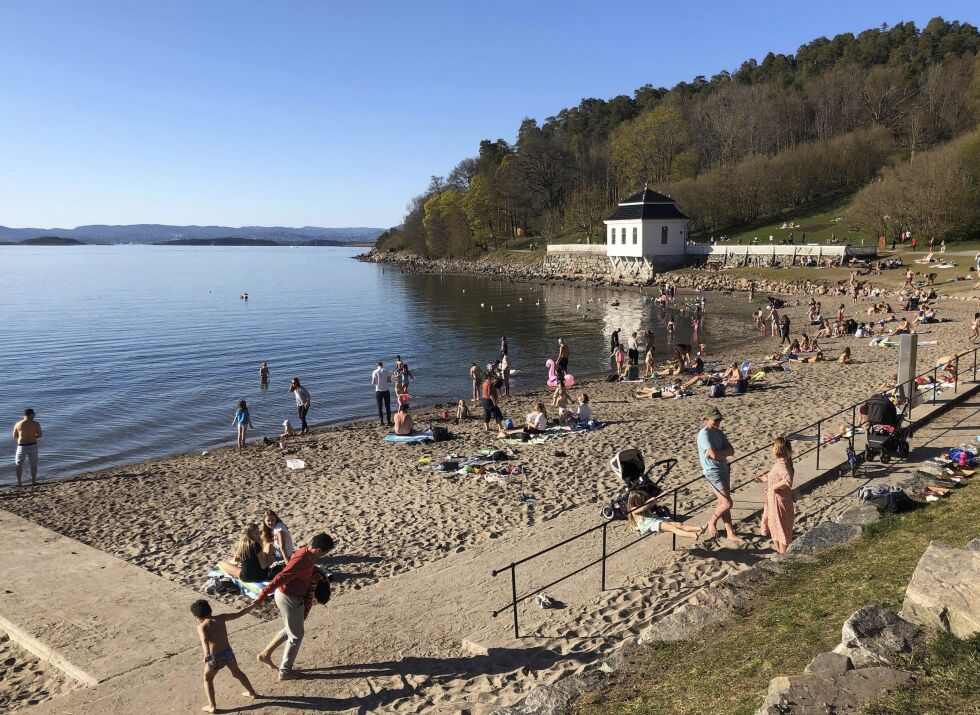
[(130, 352)]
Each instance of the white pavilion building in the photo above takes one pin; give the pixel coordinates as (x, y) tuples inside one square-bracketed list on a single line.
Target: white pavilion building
[(645, 234)]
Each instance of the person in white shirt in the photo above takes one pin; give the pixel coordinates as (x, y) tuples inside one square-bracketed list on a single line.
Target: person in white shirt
[(537, 421), (381, 379), (505, 373), (584, 412), (302, 396)]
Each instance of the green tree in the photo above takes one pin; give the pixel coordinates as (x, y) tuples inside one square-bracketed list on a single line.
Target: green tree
[(651, 148), (480, 205), (585, 210), (447, 230)]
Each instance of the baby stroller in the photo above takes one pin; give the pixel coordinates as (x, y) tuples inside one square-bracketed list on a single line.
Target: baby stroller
[(775, 302), (629, 465), (886, 436)]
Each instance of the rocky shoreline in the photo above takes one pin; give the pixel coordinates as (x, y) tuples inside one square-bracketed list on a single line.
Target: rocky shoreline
[(540, 269)]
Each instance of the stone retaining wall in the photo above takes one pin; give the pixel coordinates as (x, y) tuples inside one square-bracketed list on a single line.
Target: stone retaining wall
[(591, 265)]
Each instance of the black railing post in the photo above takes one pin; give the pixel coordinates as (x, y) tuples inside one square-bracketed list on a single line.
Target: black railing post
[(974, 364), (854, 409), (673, 536), (819, 441), (602, 580), (513, 598), (956, 376), (935, 384)]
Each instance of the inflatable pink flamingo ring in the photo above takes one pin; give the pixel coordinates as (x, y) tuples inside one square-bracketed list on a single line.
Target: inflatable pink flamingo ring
[(553, 378)]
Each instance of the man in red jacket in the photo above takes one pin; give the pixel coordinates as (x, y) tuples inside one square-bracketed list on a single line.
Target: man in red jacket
[(290, 587)]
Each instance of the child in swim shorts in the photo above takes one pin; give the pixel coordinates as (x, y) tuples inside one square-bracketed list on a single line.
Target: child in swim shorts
[(217, 649)]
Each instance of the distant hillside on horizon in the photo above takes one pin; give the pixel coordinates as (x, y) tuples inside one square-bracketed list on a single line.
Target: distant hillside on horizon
[(155, 233), (51, 241)]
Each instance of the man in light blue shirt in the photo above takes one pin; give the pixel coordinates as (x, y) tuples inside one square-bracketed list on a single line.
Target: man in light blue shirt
[(714, 450)]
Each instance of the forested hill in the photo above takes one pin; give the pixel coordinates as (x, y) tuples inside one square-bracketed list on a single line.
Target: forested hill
[(736, 147)]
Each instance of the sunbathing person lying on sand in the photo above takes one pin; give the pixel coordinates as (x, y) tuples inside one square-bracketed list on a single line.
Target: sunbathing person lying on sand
[(252, 557), (671, 369), (644, 518)]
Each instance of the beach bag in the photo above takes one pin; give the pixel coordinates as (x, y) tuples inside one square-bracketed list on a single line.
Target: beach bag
[(889, 499), (612, 378), (741, 386), (954, 456), (439, 433), (717, 390)]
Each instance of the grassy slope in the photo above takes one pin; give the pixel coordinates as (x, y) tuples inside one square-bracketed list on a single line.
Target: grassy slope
[(818, 221), (728, 668)]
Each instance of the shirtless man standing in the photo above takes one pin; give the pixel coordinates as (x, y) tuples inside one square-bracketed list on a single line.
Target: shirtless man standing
[(562, 354), (26, 433)]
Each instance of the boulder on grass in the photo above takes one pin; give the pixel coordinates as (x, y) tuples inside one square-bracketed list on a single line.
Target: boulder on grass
[(945, 590), (829, 664), (822, 694), (826, 535), (877, 635), (860, 515), (557, 698)]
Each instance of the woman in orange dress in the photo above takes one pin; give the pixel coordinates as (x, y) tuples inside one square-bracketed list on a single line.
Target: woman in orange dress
[(777, 517)]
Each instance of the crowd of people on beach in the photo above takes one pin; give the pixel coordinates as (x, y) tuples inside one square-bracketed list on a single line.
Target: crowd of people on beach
[(266, 553)]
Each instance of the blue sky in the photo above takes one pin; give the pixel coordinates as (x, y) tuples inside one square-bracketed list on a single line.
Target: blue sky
[(301, 112)]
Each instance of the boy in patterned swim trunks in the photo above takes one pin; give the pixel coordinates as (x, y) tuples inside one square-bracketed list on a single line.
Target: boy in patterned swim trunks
[(217, 650)]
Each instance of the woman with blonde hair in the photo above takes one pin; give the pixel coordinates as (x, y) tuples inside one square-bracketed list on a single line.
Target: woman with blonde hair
[(252, 557), (777, 516)]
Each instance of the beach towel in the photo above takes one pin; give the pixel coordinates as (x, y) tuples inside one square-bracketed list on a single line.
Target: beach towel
[(249, 590), (744, 370), (419, 437)]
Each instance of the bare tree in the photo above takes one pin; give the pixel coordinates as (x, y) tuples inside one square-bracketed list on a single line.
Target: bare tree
[(887, 96)]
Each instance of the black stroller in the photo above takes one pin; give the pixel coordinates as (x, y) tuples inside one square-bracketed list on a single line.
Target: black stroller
[(629, 465), (775, 302), (886, 436)]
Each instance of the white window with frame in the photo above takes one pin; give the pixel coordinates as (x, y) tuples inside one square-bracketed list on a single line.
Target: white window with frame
[(663, 235), (635, 231)]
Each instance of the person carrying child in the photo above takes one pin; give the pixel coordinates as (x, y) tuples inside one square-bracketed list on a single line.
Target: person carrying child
[(217, 650)]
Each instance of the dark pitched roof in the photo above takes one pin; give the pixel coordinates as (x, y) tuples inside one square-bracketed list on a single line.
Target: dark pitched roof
[(646, 211), (647, 197)]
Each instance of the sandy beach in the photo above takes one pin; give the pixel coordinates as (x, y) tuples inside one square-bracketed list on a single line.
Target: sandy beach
[(25, 680), (391, 515)]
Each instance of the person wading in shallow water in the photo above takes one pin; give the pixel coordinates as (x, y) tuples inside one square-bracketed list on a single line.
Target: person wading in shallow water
[(302, 403), (562, 361)]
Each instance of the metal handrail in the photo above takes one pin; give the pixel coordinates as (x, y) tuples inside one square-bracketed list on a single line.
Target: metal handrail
[(674, 491)]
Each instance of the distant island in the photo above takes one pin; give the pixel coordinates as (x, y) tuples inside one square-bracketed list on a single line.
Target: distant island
[(227, 241), (149, 233), (49, 241)]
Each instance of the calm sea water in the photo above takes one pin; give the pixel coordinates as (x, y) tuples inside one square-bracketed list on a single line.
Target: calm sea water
[(132, 352)]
